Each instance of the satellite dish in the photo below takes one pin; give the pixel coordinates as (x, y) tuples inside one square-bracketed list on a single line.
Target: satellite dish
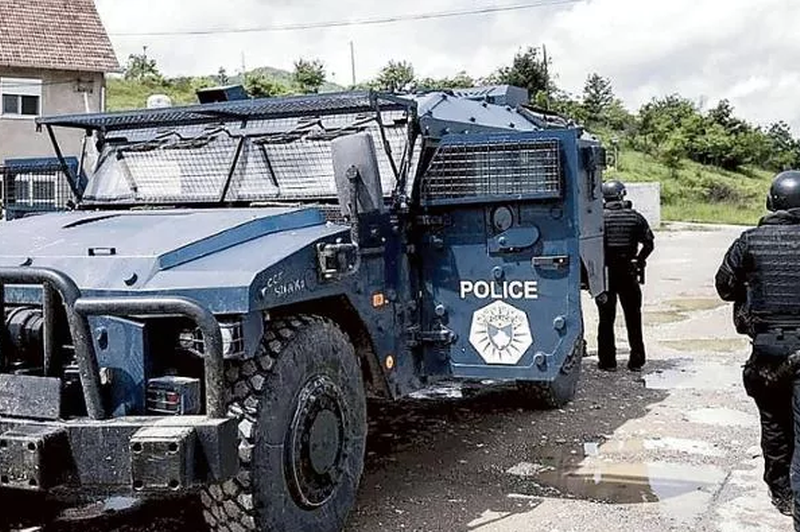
[(158, 101)]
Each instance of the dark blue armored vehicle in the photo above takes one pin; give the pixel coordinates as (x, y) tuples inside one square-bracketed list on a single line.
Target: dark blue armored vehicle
[(236, 278)]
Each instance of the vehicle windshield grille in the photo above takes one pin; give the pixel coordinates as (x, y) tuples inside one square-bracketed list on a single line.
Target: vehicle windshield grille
[(501, 168), (286, 159)]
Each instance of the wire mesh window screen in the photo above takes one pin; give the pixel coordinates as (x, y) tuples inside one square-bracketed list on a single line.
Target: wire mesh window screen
[(303, 168), (468, 170), (280, 158), (35, 187), (184, 170)]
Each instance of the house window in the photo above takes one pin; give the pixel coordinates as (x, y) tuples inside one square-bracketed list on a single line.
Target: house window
[(21, 97)]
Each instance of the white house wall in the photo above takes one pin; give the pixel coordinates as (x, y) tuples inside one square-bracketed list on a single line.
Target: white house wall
[(60, 95)]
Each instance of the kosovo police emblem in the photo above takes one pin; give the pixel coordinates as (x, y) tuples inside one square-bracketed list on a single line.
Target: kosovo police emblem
[(500, 333)]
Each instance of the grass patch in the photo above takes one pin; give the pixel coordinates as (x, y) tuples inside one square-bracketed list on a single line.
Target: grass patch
[(698, 193), (124, 95), (746, 215)]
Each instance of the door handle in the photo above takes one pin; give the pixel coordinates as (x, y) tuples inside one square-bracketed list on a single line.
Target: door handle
[(553, 262)]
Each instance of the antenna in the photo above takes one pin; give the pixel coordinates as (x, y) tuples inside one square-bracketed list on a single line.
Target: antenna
[(353, 62)]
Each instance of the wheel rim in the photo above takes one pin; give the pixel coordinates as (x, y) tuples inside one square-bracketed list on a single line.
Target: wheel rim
[(317, 442)]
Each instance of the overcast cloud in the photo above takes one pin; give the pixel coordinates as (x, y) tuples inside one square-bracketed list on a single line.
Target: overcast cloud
[(745, 50)]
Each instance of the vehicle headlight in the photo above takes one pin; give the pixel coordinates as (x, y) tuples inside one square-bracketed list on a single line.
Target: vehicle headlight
[(232, 340)]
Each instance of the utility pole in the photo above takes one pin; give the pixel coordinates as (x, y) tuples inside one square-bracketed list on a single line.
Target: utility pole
[(353, 63)]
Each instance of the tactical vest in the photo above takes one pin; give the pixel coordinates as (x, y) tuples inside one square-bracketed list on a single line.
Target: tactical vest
[(622, 227), (774, 280)]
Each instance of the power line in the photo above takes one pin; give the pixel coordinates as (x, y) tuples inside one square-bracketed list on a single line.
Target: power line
[(358, 22)]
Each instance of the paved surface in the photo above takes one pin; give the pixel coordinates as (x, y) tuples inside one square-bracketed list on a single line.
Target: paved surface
[(674, 448)]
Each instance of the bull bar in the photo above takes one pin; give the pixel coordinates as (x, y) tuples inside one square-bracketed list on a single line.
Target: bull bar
[(116, 452), (78, 309)]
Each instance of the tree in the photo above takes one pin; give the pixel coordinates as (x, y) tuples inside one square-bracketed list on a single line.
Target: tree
[(598, 96), (568, 106), (659, 118), (395, 76), (309, 75), (260, 86), (529, 71), (142, 68), (784, 149), (722, 114), (459, 81), (222, 76), (618, 118)]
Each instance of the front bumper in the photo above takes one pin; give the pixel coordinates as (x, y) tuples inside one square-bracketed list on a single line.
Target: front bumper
[(40, 452), (131, 454)]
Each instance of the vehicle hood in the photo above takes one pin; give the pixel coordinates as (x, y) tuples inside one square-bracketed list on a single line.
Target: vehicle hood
[(172, 251)]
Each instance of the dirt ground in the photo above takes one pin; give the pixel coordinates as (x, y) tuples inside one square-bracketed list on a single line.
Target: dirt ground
[(673, 448)]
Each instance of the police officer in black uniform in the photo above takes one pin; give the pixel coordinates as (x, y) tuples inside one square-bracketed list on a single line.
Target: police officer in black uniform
[(625, 230), (761, 275)]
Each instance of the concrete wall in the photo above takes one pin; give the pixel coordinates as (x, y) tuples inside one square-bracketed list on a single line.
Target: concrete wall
[(61, 94), (646, 198)]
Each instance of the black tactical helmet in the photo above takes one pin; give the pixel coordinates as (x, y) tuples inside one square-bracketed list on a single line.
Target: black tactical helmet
[(613, 191), (785, 191)]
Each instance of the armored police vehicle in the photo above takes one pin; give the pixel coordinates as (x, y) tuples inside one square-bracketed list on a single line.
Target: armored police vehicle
[(236, 278)]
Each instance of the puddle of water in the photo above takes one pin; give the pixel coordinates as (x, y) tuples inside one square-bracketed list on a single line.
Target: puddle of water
[(696, 377), (687, 508), (631, 483), (693, 304), (662, 317), (717, 345), (723, 417)]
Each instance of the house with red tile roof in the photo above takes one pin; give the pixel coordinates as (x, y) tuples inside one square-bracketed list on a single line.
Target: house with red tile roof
[(54, 55)]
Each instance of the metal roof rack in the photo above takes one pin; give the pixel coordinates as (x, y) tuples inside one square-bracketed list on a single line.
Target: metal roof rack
[(264, 108)]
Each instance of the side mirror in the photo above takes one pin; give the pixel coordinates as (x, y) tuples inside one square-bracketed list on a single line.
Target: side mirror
[(358, 179)]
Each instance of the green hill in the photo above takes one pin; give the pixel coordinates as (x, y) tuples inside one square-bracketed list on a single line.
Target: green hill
[(699, 193), (125, 94), (284, 77)]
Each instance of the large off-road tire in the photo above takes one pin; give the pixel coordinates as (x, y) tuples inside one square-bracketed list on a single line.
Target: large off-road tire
[(302, 430), (559, 392)]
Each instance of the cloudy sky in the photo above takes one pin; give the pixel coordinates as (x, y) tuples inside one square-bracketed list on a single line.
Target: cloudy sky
[(745, 50)]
